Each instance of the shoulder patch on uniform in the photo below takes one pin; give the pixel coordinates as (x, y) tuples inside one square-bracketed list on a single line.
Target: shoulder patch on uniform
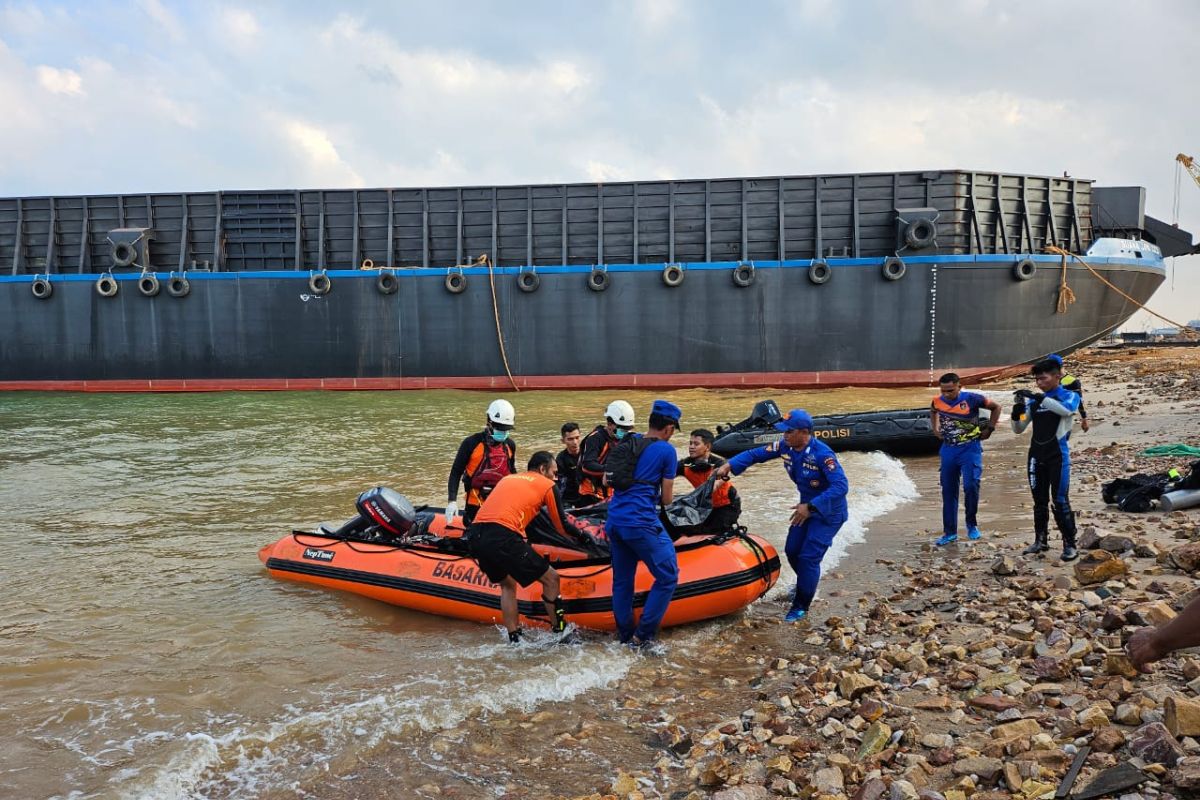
[(831, 464)]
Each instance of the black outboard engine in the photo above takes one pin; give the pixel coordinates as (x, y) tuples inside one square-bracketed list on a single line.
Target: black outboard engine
[(764, 415), (383, 513)]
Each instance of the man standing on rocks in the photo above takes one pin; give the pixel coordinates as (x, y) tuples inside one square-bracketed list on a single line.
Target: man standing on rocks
[(955, 420), (822, 510), (1050, 412)]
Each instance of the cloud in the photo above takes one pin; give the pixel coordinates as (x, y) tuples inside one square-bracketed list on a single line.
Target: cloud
[(239, 26), (60, 81), (165, 18), (318, 159)]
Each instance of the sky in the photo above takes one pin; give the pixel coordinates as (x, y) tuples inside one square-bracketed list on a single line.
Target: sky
[(158, 96)]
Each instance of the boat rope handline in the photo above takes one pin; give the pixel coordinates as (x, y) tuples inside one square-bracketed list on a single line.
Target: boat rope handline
[(1183, 329), (485, 259), (605, 565)]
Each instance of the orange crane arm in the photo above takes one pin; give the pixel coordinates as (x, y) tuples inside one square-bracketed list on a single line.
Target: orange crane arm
[(1189, 163)]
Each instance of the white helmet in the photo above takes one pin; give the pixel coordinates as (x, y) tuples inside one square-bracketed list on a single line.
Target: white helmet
[(501, 412), (620, 412)]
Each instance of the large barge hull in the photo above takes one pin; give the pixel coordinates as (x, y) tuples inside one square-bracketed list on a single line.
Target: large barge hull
[(270, 331), (821, 280)]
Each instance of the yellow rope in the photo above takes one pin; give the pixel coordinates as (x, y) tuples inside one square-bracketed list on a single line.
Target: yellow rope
[(483, 259), (1183, 329), (1065, 295)]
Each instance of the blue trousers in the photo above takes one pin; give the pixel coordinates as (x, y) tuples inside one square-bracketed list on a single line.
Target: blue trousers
[(965, 462), (806, 546), (653, 547)]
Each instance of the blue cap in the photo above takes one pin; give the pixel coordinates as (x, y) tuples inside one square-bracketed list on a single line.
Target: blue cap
[(667, 409), (797, 420), (1056, 358)]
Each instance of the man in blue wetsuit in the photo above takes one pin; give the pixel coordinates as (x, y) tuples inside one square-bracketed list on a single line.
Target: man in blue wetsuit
[(955, 418), (821, 512), (1050, 412), (634, 530)]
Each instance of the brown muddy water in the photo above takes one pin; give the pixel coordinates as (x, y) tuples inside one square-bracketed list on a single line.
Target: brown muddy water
[(144, 652)]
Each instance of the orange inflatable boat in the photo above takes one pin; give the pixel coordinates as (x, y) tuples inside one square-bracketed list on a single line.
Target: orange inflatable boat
[(432, 573)]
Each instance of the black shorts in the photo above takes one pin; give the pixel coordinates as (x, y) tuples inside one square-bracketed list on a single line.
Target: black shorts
[(502, 553)]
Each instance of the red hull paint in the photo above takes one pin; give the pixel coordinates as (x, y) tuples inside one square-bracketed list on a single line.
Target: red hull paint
[(728, 380)]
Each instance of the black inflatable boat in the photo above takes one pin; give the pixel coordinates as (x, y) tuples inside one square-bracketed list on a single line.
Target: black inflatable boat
[(898, 432)]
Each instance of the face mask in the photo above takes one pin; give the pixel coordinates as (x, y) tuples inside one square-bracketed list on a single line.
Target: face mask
[(620, 433), (499, 436)]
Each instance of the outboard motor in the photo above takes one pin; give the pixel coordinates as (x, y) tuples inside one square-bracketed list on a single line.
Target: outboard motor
[(765, 413), (383, 513)]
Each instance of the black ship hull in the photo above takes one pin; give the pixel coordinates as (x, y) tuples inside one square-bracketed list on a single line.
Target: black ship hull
[(270, 330)]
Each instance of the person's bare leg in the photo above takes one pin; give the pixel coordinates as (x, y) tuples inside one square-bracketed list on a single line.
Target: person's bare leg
[(550, 586), (508, 604)]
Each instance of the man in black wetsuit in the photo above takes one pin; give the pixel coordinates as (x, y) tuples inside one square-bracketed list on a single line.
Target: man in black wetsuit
[(1050, 413), (568, 463)]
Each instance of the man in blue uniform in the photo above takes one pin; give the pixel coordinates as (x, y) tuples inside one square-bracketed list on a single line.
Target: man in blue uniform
[(1050, 412), (821, 512), (634, 530), (955, 419)]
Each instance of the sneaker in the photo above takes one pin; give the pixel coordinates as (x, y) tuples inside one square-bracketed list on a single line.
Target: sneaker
[(973, 533), (795, 615), (1069, 554), (947, 538)]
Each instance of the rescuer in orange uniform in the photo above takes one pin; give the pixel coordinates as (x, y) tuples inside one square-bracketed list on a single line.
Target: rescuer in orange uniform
[(697, 468), (497, 539), (482, 460)]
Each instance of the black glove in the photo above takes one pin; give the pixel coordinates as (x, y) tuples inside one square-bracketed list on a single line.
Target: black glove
[(1018, 410), (1023, 394)]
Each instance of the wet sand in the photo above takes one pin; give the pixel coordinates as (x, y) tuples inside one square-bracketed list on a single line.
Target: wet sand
[(711, 718)]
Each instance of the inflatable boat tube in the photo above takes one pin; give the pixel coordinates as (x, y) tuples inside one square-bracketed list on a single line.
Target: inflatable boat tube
[(432, 572), (897, 432)]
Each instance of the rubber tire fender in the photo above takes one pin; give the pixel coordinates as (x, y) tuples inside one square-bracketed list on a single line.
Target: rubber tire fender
[(148, 285), (893, 268), (528, 281), (598, 279), (124, 254), (743, 275), (456, 282), (1024, 269), (819, 272), (672, 275), (178, 286), (387, 283), (41, 288), (319, 283), (920, 233), (106, 285)]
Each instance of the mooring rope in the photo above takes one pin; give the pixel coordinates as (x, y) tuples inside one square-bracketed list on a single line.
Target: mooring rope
[(1066, 296)]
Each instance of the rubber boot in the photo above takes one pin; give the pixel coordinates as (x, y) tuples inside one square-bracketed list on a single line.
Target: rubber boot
[(1069, 552), (1040, 544), (1065, 519)]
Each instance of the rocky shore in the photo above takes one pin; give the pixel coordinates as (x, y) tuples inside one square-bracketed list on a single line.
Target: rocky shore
[(979, 673), (964, 673)]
